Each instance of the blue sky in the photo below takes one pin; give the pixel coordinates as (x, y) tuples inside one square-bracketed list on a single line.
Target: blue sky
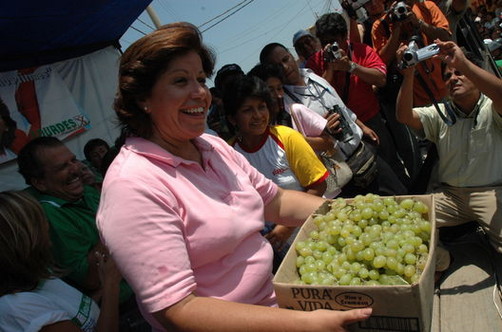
[(240, 37)]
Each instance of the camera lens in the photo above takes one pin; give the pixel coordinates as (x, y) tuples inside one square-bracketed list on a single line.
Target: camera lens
[(407, 56), (401, 10)]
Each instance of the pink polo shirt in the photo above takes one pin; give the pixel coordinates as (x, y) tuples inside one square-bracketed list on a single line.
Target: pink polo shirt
[(176, 228)]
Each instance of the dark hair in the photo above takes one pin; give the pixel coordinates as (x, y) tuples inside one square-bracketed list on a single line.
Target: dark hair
[(10, 134), (145, 61), (331, 24), (267, 50), (28, 159), (92, 144), (243, 88), (227, 72), (25, 251), (268, 70)]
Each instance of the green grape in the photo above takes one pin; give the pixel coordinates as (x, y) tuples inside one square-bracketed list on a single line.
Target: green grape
[(407, 204), (363, 223), (300, 245), (422, 249), (320, 265), (327, 257), (388, 201), (317, 254), (391, 263), (356, 281), (379, 261), (355, 267), (410, 259), (363, 273), (299, 261), (368, 254), (314, 235), (409, 270), (367, 213), (305, 252), (372, 283), (322, 246), (345, 279), (374, 274)]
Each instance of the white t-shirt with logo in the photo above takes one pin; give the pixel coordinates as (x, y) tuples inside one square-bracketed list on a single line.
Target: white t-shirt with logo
[(51, 302)]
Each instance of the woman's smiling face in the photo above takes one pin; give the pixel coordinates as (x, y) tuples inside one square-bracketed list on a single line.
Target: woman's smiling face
[(252, 117), (179, 100)]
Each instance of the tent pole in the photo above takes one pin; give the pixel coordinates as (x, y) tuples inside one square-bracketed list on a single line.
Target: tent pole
[(153, 16)]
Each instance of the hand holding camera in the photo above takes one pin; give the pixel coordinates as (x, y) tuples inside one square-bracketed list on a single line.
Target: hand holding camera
[(413, 55), (332, 52), (342, 131)]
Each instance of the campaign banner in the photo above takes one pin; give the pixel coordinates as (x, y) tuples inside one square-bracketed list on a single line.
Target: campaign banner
[(36, 102)]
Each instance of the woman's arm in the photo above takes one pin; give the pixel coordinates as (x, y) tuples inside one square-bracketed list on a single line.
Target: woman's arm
[(209, 314), (291, 208)]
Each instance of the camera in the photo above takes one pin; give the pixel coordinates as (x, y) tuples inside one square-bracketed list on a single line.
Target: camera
[(414, 55), (332, 53), (355, 9), (346, 134), (400, 12), (356, 4)]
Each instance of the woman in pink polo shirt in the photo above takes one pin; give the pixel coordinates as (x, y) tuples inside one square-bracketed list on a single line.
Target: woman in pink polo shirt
[(181, 211)]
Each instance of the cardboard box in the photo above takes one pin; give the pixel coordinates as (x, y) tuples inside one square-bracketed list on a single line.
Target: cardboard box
[(395, 308)]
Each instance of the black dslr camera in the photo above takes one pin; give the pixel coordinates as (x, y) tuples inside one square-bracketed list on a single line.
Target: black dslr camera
[(332, 53), (346, 134)]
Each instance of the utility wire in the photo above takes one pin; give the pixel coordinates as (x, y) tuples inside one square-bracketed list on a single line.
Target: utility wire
[(226, 11), (224, 18), (144, 33), (148, 25)]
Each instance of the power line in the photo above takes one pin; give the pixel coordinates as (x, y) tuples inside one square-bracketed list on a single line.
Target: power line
[(224, 18), (148, 25), (138, 30), (218, 16)]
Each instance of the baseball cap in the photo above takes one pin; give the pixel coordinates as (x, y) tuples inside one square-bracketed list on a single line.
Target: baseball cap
[(299, 34)]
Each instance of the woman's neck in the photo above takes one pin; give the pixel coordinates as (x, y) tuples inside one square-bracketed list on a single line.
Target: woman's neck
[(251, 142), (183, 149)]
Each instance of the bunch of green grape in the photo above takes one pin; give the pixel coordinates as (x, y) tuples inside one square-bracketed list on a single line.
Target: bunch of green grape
[(371, 241)]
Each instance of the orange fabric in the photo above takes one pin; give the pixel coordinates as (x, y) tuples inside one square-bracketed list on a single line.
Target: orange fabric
[(430, 13)]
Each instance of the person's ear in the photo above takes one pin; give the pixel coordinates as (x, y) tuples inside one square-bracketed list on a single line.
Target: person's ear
[(144, 106), (39, 184)]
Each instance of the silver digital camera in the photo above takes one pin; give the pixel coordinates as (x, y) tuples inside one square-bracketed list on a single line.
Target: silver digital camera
[(400, 11), (414, 55), (332, 53)]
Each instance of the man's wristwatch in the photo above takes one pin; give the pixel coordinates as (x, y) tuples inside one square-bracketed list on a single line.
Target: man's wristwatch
[(353, 66)]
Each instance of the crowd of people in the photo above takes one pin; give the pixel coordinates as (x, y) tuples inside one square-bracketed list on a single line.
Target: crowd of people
[(182, 222)]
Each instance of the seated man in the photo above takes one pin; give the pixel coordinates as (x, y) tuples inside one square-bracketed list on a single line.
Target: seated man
[(469, 165), (54, 174)]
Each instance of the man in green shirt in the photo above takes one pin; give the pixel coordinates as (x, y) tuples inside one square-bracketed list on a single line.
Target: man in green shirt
[(53, 172)]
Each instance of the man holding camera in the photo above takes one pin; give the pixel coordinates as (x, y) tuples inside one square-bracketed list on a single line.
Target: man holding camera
[(469, 176), (413, 20), (352, 69)]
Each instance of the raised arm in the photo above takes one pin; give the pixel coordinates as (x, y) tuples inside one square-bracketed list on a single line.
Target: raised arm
[(404, 103), (486, 82)]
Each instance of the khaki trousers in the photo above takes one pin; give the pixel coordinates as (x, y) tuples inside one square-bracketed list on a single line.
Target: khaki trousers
[(455, 206)]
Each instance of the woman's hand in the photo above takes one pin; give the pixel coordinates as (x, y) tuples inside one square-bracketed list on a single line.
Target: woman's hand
[(279, 235), (337, 321)]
